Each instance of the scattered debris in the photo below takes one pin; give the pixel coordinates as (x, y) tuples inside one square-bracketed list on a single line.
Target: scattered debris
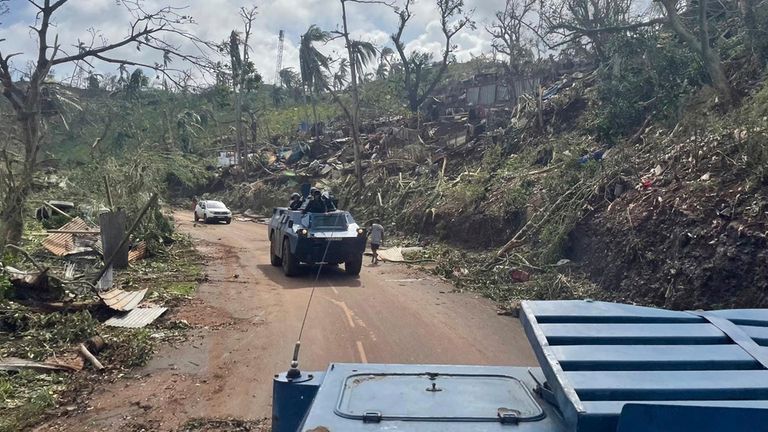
[(136, 318), (76, 236), (123, 301), (90, 357), (519, 275), (139, 252), (17, 364)]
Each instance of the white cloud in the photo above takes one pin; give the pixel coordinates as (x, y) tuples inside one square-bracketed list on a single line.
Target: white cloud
[(215, 19)]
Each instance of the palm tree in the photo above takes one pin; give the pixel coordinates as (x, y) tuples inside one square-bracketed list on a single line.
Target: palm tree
[(363, 52), (291, 81), (385, 63), (340, 77), (278, 96), (313, 63)]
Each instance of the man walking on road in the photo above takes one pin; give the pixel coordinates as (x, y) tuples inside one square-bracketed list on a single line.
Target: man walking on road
[(377, 238)]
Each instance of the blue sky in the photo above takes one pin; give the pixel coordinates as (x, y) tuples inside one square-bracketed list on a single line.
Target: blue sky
[(216, 18)]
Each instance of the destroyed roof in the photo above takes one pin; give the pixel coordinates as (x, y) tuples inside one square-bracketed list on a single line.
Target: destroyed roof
[(136, 318), (120, 300), (61, 244)]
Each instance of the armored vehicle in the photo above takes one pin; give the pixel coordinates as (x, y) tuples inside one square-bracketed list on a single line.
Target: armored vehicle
[(604, 367), (315, 239)]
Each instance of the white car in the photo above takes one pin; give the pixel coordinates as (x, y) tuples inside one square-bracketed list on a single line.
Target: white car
[(212, 211)]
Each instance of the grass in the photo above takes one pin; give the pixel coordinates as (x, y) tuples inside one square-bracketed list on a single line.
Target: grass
[(182, 288), (26, 396)]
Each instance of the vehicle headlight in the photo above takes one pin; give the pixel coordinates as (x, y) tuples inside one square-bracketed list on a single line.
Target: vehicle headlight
[(302, 232)]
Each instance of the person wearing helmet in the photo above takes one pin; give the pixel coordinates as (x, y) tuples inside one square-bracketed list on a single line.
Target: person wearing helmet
[(316, 203), (295, 202), (330, 201)]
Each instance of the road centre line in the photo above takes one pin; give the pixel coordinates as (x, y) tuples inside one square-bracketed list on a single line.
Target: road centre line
[(361, 351)]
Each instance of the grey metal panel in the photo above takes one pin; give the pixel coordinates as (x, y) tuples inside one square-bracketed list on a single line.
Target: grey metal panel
[(653, 357), (625, 334), (607, 354), (322, 414), (670, 385), (136, 318), (487, 94), (581, 311), (457, 397), (473, 95)]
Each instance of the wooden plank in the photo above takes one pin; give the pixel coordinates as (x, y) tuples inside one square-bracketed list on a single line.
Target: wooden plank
[(581, 311), (653, 357), (670, 385), (627, 334)]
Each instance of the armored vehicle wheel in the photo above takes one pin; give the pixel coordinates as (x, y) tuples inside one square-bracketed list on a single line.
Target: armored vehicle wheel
[(353, 266), (290, 263), (273, 258)]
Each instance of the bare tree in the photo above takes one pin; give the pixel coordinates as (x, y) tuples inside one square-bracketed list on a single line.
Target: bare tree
[(418, 80), (244, 75), (570, 21), (697, 36), (754, 43), (509, 33), (358, 55), (146, 31), (595, 20)]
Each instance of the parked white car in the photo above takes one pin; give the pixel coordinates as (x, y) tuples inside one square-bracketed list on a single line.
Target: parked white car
[(212, 211)]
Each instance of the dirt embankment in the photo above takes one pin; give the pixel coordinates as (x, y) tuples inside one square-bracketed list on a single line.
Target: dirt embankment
[(646, 249)]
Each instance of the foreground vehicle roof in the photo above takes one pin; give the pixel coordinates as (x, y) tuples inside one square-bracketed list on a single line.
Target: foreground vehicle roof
[(599, 357)]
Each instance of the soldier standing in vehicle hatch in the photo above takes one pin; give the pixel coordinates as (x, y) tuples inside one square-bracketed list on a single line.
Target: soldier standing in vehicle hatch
[(316, 204), (377, 238)]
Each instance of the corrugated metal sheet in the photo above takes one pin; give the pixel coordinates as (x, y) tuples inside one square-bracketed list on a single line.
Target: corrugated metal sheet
[(120, 300), (60, 244), (138, 252), (598, 357), (136, 318)]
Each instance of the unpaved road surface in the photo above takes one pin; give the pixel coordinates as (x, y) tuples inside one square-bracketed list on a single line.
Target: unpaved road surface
[(246, 319)]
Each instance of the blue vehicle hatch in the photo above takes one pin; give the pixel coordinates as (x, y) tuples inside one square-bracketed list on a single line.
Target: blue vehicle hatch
[(599, 358), (437, 397)]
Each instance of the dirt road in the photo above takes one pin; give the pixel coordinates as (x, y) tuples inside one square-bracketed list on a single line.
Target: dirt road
[(247, 317)]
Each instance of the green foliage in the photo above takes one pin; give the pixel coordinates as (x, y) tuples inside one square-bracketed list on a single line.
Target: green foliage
[(128, 347), (648, 75), (26, 396), (5, 287), (39, 336), (286, 120)]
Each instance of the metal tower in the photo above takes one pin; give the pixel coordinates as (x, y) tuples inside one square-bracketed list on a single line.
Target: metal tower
[(279, 62)]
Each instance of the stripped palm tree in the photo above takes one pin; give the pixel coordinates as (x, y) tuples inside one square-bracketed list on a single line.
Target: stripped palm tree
[(291, 81), (313, 63), (385, 62), (340, 77), (364, 53)]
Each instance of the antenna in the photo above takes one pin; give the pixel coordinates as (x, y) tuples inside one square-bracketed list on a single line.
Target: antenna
[(279, 62)]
